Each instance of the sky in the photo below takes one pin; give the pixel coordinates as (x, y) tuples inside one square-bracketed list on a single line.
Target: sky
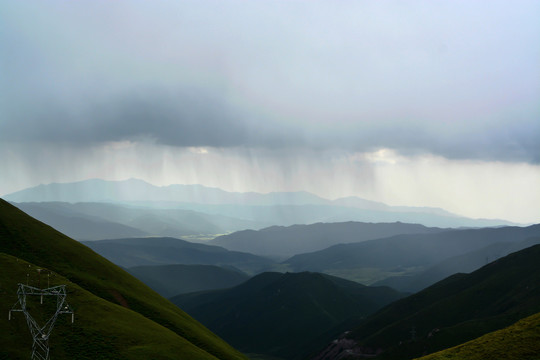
[(419, 103)]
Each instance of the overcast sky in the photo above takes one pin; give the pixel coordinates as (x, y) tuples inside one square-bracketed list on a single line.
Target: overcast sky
[(433, 103)]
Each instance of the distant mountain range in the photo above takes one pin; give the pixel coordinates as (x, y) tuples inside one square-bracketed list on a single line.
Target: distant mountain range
[(98, 221), (285, 242), (457, 264), (279, 208), (401, 256), (283, 315), (451, 312)]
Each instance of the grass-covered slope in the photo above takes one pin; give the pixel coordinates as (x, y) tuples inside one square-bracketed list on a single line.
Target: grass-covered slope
[(455, 310), (518, 341), (99, 287), (283, 314)]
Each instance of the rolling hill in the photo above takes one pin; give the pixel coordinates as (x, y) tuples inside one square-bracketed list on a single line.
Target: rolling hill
[(283, 315), (117, 316), (451, 312), (465, 263), (296, 239), (165, 251), (170, 280), (404, 254)]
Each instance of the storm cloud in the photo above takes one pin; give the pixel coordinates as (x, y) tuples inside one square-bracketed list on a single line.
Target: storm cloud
[(456, 79)]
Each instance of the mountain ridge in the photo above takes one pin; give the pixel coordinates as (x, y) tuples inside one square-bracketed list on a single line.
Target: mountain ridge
[(297, 239), (282, 314), (457, 309), (200, 197)]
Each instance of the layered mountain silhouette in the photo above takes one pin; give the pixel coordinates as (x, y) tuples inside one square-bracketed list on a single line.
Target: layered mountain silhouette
[(165, 251), (283, 315), (412, 253), (169, 280), (285, 242), (462, 263), (280, 208), (453, 311), (116, 315), (98, 221)]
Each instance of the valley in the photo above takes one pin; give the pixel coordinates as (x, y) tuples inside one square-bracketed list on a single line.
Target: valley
[(280, 292)]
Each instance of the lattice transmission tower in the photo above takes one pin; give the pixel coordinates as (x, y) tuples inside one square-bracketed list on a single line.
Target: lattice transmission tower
[(41, 333)]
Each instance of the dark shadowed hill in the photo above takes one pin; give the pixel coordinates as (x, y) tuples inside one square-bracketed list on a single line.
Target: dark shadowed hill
[(170, 280), (165, 251), (283, 314), (458, 264), (116, 315), (453, 311), (296, 239), (406, 254)]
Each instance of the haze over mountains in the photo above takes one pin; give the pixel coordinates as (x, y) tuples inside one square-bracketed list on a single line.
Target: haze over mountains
[(402, 256), (285, 242), (310, 180), (291, 315), (230, 282), (96, 221), (240, 209)]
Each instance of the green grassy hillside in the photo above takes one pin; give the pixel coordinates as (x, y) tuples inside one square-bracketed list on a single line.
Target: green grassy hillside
[(284, 315), (453, 311), (157, 328), (518, 341)]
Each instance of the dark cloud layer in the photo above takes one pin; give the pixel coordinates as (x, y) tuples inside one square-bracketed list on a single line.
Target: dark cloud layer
[(193, 118), (457, 81)]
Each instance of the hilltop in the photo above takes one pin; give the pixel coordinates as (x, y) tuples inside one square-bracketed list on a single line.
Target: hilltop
[(284, 315)]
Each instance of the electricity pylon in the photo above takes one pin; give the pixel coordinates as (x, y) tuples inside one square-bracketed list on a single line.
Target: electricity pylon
[(40, 334)]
